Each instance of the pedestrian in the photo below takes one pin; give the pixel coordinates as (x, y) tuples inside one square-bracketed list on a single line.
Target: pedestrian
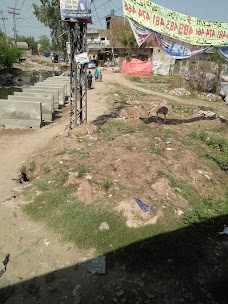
[(89, 79), (100, 76), (96, 74)]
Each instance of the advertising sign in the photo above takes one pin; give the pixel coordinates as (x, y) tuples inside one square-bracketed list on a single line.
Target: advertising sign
[(76, 10), (178, 26), (140, 32), (178, 49)]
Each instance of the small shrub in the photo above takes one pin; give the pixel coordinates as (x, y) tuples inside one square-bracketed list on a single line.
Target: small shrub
[(106, 184), (82, 170), (32, 166)]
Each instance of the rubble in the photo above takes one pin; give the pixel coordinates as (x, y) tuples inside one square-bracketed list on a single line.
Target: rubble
[(207, 96), (208, 114), (180, 92)]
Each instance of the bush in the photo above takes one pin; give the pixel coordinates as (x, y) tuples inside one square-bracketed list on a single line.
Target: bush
[(9, 56)]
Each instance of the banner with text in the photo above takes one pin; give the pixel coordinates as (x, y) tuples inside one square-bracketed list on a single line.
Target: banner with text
[(223, 51), (178, 49), (76, 10), (140, 32), (176, 25)]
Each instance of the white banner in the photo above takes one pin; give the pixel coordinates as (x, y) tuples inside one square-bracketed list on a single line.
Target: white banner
[(178, 49), (140, 32)]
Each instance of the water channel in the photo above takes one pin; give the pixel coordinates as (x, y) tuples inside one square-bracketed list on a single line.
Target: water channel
[(25, 79)]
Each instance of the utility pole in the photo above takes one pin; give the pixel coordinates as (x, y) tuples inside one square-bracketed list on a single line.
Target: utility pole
[(3, 20), (14, 12), (78, 75), (78, 15)]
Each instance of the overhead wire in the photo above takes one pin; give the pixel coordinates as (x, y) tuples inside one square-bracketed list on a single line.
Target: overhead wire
[(97, 15)]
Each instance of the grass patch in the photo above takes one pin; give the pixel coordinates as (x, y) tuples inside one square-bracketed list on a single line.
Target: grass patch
[(82, 170), (112, 129), (79, 224), (203, 207), (106, 184), (45, 168), (32, 166), (134, 78), (217, 144)]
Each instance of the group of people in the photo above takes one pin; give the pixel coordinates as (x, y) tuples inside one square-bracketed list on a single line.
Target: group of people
[(97, 76)]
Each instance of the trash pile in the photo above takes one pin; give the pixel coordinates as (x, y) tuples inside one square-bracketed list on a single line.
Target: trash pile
[(207, 114), (180, 92)]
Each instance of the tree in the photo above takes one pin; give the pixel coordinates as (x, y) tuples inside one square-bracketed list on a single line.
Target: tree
[(8, 55), (120, 31), (48, 13), (44, 44)]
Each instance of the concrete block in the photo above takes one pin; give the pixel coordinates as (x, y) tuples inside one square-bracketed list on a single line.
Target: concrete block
[(54, 92), (46, 103), (20, 114), (60, 88), (59, 82), (38, 95)]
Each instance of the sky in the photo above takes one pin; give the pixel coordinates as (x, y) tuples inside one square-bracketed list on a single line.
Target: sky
[(28, 25)]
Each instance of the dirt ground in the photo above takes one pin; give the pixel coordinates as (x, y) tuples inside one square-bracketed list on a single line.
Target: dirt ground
[(34, 251)]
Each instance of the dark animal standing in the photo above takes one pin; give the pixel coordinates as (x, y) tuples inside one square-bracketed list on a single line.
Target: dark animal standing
[(160, 109)]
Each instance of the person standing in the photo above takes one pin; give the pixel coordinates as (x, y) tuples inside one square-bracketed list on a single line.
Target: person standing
[(96, 74), (89, 80)]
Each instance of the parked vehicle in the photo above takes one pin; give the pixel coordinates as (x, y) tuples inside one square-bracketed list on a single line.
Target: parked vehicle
[(91, 65)]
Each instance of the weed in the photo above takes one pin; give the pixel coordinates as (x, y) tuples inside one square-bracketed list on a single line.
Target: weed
[(32, 166), (82, 170), (46, 168), (182, 108), (80, 153), (203, 207), (129, 146), (106, 184), (218, 144), (134, 78), (41, 185), (61, 152)]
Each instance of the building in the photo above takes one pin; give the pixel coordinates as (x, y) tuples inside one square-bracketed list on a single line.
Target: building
[(97, 43), (109, 47)]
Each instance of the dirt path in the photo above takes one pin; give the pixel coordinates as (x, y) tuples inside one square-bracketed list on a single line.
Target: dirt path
[(33, 250), (219, 107)]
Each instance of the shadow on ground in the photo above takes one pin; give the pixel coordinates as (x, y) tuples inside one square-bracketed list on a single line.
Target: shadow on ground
[(189, 265), (173, 121)]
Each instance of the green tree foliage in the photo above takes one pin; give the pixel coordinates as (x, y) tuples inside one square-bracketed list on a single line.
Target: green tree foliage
[(120, 31), (48, 13), (44, 44), (8, 55)]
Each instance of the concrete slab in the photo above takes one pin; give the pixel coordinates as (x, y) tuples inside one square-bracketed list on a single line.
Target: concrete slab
[(38, 95), (54, 92), (47, 104), (59, 82), (20, 114), (60, 88)]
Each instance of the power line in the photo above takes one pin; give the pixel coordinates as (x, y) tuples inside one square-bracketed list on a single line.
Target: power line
[(14, 13), (98, 16), (3, 21)]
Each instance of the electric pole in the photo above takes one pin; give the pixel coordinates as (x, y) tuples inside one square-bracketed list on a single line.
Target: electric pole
[(78, 15), (3, 20), (14, 13)]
